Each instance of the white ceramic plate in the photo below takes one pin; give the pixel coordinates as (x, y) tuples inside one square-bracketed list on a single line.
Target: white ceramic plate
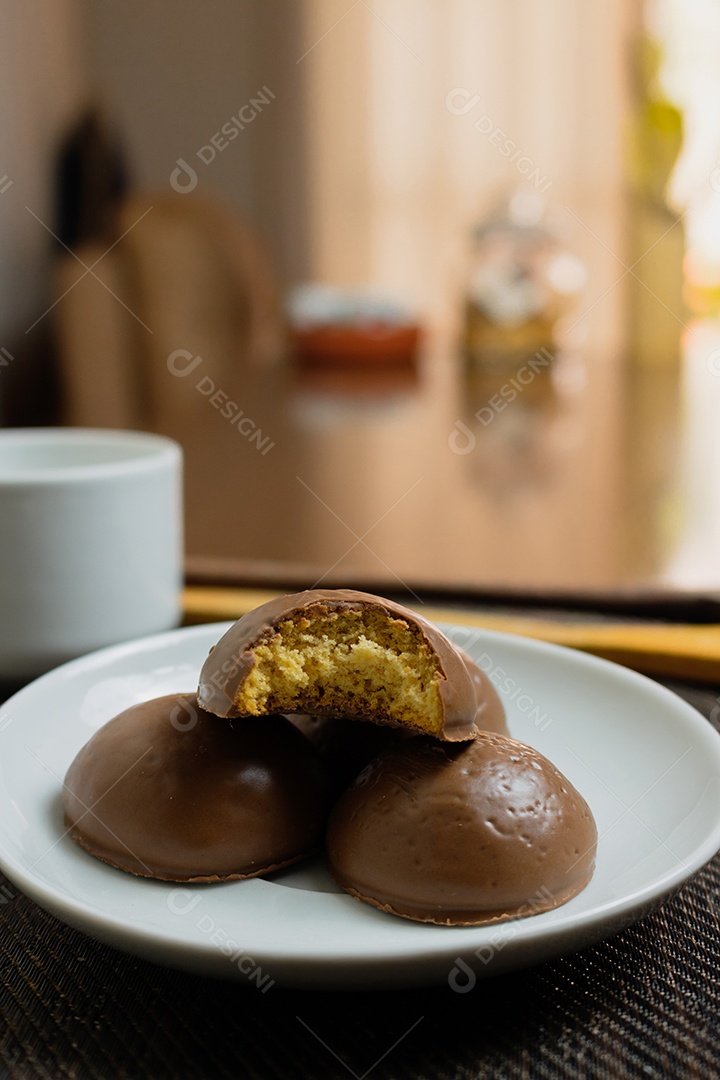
[(648, 764)]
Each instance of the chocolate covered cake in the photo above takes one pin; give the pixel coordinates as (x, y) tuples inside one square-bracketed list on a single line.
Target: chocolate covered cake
[(166, 790), (342, 653), (450, 821), (462, 835)]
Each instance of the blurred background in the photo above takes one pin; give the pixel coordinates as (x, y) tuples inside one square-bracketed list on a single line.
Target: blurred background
[(428, 292)]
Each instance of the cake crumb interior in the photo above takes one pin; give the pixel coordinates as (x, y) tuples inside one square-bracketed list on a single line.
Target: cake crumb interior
[(354, 661)]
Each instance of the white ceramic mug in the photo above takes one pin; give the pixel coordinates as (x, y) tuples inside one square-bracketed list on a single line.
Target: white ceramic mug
[(90, 542)]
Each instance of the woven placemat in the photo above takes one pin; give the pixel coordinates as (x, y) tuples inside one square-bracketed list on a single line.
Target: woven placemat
[(645, 1003)]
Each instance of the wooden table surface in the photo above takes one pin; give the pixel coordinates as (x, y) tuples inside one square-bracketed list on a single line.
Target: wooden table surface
[(597, 475)]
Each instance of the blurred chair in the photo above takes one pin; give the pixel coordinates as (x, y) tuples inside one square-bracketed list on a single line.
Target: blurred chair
[(171, 272)]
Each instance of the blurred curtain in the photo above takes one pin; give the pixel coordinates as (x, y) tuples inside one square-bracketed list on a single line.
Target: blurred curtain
[(399, 166), (359, 171)]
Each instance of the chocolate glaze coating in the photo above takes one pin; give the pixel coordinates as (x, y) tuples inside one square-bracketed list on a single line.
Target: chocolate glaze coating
[(233, 658), (462, 835), (175, 793), (490, 715)]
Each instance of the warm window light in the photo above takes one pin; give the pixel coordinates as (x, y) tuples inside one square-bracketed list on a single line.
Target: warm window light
[(688, 32)]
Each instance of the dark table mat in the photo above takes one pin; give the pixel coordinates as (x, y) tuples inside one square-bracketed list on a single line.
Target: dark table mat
[(645, 1003)]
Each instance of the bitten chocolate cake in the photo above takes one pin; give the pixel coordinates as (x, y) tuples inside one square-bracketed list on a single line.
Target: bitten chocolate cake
[(166, 790), (342, 653), (462, 835)]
